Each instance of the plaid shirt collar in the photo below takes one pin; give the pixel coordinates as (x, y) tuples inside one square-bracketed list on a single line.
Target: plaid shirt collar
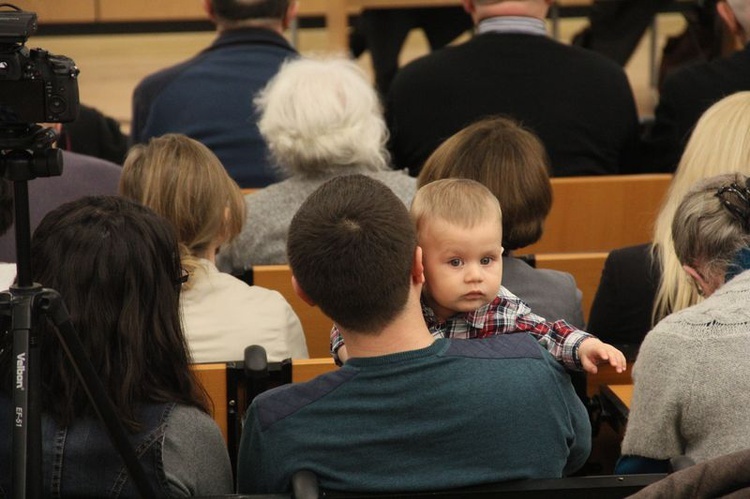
[(475, 319)]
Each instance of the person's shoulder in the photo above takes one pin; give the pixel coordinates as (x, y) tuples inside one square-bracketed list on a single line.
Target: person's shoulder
[(277, 404), (263, 298), (190, 420), (500, 347), (399, 182), (277, 201), (160, 77), (516, 269), (81, 161), (438, 61), (709, 79), (638, 255), (89, 174), (579, 62)]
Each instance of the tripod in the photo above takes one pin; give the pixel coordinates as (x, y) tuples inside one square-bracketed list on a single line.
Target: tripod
[(27, 154)]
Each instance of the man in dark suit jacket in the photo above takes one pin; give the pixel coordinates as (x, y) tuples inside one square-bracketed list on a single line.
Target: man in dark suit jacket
[(577, 102), (210, 97), (688, 92)]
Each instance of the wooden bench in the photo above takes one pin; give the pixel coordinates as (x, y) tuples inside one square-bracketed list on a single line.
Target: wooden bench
[(225, 385), (601, 213), (586, 268), (315, 324)]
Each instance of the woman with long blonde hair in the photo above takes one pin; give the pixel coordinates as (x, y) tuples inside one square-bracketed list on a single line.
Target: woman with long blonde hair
[(643, 284), (719, 144)]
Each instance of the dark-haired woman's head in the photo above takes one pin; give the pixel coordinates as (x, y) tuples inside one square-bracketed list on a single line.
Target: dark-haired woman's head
[(116, 265)]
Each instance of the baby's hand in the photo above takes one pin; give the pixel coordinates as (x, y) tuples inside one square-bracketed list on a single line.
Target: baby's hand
[(593, 351)]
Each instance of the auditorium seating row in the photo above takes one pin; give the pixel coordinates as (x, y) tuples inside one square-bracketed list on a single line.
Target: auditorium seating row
[(590, 216)]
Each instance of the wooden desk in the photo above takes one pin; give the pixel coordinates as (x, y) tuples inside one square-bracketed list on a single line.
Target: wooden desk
[(616, 404), (620, 394)]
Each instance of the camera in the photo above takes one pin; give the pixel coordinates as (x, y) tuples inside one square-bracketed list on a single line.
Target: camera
[(35, 86)]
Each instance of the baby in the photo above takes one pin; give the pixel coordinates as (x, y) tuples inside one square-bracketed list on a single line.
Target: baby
[(459, 228)]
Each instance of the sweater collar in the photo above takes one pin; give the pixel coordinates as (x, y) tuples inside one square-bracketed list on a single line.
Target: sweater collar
[(512, 24), (250, 36)]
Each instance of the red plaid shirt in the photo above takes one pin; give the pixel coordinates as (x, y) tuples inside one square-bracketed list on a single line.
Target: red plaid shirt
[(506, 314)]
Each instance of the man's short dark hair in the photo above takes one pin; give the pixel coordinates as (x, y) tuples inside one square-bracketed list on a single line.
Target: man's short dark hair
[(351, 248), (238, 10)]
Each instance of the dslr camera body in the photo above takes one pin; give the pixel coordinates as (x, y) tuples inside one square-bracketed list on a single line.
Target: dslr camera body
[(35, 86)]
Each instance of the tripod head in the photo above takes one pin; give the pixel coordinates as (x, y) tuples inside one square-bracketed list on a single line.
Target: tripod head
[(26, 152)]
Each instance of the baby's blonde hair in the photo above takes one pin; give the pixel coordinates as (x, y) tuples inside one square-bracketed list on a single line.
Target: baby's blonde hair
[(457, 201)]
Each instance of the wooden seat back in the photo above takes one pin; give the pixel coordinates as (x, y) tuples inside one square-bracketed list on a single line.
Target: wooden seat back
[(315, 324), (306, 369), (601, 213), (586, 268), (213, 377)]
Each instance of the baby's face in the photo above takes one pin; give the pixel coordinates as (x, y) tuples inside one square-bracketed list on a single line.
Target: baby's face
[(462, 266)]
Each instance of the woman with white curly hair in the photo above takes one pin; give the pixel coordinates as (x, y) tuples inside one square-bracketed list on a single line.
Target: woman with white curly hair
[(320, 118)]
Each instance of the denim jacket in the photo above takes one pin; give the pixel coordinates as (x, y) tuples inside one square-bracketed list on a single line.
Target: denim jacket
[(80, 460)]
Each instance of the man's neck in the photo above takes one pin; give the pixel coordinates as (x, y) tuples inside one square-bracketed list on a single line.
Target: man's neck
[(269, 24), (407, 332), (521, 8)]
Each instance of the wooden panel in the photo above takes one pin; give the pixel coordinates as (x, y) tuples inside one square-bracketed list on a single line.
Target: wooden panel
[(601, 213), (316, 325), (148, 10), (69, 11), (624, 393), (585, 267), (307, 369), (607, 376), (213, 377)]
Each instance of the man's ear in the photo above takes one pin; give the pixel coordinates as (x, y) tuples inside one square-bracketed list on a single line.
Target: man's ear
[(301, 292), (727, 16), (291, 14), (417, 267), (469, 6), (208, 8)]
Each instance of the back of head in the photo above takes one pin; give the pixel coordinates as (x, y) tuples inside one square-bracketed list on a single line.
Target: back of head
[(511, 162), (712, 224), (115, 263), (183, 181), (351, 249), (241, 10), (720, 143), (322, 115), (461, 202)]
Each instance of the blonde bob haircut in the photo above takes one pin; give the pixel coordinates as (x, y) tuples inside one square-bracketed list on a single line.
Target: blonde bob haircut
[(322, 115), (183, 181), (707, 235), (719, 144), (461, 202), (507, 159)]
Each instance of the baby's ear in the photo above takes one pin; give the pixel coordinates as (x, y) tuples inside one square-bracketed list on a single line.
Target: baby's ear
[(301, 292)]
